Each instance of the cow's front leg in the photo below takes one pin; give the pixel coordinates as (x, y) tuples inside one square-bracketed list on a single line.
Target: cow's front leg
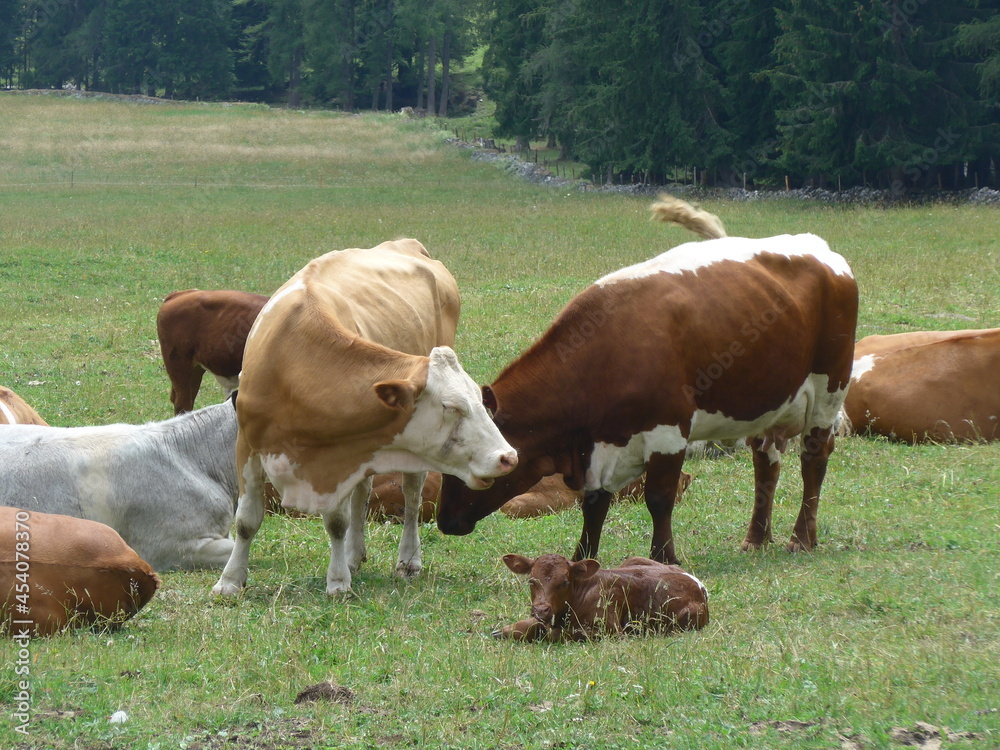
[(595, 510), (663, 474), (766, 468), (337, 523), (816, 449), (249, 516), (357, 553), (408, 563), (524, 630)]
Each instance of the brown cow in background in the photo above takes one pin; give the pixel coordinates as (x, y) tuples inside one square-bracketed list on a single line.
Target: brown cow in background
[(927, 385), (204, 330), (58, 570), (579, 600), (15, 410)]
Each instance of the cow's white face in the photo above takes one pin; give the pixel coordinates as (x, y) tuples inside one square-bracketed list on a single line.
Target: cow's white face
[(450, 429)]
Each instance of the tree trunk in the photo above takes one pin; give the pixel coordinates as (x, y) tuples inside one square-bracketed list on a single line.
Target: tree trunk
[(420, 78), (388, 74), (445, 54), (294, 79), (431, 65)]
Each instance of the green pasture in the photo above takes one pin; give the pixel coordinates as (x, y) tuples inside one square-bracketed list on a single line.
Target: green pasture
[(106, 206)]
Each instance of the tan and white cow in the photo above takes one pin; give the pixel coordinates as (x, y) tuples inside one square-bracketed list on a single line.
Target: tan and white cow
[(927, 385), (15, 410), (348, 372)]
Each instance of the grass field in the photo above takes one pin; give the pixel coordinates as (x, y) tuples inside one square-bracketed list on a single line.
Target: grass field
[(893, 620)]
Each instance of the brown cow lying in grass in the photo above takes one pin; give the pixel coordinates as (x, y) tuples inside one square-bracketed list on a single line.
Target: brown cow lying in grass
[(551, 495), (58, 570), (927, 385), (15, 410), (580, 600)]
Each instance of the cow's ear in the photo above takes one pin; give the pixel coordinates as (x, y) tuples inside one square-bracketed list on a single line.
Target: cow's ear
[(397, 394), (489, 400), (584, 569), (518, 563)]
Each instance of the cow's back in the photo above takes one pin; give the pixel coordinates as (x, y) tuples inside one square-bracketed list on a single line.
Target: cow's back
[(794, 309), (927, 385), (74, 569)]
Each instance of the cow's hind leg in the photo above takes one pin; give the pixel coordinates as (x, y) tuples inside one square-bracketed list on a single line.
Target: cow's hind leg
[(766, 468), (357, 553), (595, 510), (249, 516), (816, 449), (408, 563), (663, 474)]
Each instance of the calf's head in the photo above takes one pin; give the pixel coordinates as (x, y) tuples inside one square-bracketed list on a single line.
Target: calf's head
[(449, 428), (552, 579)]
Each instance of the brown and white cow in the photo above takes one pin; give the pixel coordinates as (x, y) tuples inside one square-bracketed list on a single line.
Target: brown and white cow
[(718, 340), (580, 600), (58, 570), (927, 385), (204, 330), (348, 372), (15, 410)]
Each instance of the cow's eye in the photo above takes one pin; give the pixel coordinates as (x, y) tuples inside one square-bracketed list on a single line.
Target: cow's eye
[(564, 585)]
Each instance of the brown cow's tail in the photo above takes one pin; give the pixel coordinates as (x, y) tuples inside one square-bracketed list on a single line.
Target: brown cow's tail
[(675, 211)]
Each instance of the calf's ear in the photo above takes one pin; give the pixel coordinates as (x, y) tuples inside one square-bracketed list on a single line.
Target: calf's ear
[(584, 569), (518, 563), (397, 394), (489, 400)]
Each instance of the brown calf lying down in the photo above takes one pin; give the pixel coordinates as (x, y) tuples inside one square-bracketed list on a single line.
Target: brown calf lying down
[(204, 330), (57, 571), (927, 385), (14, 409), (580, 600)]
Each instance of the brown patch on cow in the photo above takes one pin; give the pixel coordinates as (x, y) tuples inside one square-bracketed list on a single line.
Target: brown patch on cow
[(326, 691)]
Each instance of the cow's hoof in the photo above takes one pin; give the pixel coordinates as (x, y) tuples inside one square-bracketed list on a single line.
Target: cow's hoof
[(339, 590), (796, 546), (749, 545), (408, 569), (227, 589)]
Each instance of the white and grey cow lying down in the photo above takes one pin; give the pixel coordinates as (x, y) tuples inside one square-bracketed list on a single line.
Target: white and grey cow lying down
[(168, 488)]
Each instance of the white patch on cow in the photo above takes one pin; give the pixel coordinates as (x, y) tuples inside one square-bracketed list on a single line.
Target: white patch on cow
[(95, 491), (7, 413), (228, 385), (695, 579), (692, 256), (297, 492), (863, 365), (272, 302), (613, 466)]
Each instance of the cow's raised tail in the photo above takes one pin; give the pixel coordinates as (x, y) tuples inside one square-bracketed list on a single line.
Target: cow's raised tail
[(675, 211)]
